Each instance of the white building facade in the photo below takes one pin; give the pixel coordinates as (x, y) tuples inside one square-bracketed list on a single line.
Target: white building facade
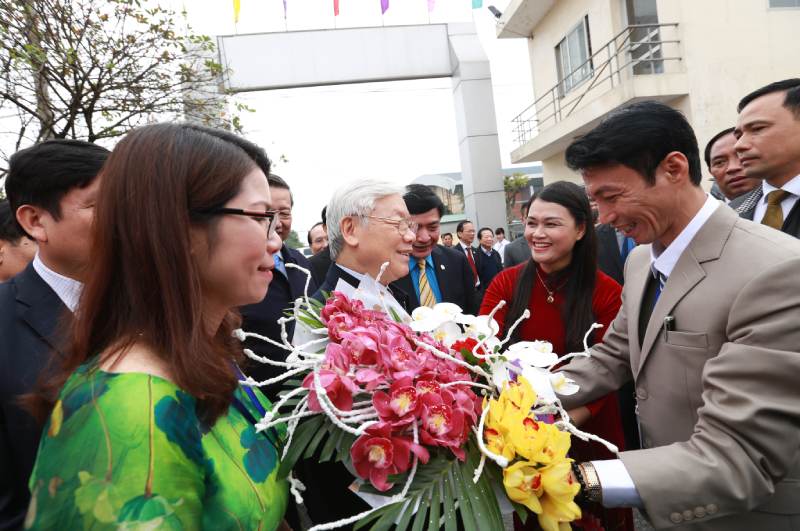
[(589, 57)]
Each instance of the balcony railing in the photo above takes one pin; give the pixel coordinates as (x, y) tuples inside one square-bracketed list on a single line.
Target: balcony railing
[(639, 49)]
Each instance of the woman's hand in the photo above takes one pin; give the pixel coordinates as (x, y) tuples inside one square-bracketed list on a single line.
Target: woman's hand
[(579, 415)]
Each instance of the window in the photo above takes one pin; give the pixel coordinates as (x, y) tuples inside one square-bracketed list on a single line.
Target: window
[(573, 57), (784, 3)]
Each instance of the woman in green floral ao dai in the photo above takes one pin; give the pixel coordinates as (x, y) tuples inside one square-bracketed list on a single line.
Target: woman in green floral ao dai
[(148, 426)]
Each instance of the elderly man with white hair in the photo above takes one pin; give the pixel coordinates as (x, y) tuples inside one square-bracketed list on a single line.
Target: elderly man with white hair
[(368, 225)]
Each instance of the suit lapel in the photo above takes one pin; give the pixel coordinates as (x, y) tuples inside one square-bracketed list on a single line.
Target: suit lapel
[(40, 307), (684, 277), (706, 245), (443, 277)]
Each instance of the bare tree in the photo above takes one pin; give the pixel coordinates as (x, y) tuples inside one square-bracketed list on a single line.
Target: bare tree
[(94, 69)]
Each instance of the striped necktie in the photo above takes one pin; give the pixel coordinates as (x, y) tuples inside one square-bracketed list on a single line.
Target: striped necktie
[(426, 296)]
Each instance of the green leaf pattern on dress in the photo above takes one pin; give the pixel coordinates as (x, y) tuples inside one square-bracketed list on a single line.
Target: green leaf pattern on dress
[(127, 451)]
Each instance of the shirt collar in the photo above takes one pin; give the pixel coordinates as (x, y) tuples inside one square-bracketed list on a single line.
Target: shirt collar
[(67, 289), (793, 187), (413, 265), (663, 260), (358, 276)]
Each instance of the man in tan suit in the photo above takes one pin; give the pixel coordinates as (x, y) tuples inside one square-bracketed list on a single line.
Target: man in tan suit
[(709, 331)]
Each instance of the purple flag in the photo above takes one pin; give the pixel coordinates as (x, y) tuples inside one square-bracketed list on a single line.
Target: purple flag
[(284, 9), (430, 5), (384, 6)]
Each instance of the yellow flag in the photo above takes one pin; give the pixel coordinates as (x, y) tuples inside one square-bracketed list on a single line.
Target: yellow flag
[(237, 5)]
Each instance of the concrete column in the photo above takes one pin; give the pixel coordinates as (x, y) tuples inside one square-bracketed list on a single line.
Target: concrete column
[(476, 127)]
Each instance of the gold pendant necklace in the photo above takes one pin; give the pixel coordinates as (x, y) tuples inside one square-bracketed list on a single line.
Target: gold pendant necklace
[(550, 293)]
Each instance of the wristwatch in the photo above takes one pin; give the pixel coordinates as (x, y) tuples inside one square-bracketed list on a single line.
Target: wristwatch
[(591, 482)]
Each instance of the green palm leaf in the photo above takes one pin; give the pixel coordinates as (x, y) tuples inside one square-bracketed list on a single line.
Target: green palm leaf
[(441, 494)]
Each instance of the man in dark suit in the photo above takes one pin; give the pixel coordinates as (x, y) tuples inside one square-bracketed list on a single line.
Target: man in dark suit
[(613, 249), (490, 262), (287, 285), (724, 165), (321, 261), (436, 273), (767, 133), (368, 225), (465, 231), (51, 188)]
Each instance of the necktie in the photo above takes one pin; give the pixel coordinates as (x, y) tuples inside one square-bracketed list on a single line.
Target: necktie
[(426, 296), (773, 217), (279, 265), (471, 261)]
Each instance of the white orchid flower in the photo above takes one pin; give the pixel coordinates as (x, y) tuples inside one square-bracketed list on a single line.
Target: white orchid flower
[(447, 333), (563, 385), (499, 373), (425, 319), (479, 326), (533, 353)]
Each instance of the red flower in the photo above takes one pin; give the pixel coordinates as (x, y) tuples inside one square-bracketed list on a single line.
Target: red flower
[(466, 347), (442, 424), (400, 406), (377, 454)]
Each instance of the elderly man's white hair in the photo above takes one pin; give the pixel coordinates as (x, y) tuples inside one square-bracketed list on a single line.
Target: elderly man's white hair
[(355, 199)]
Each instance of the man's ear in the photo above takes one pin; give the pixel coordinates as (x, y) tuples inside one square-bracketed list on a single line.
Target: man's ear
[(34, 221), (675, 166), (349, 229)]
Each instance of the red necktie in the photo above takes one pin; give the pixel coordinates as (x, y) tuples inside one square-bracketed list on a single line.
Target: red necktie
[(472, 264)]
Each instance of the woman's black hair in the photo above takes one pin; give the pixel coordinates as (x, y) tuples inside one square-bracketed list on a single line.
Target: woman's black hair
[(581, 272)]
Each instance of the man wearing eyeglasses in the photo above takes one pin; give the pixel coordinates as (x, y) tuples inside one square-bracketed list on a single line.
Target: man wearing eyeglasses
[(368, 226), (436, 273), (287, 285)]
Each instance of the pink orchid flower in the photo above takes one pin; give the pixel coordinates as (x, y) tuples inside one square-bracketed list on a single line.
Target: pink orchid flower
[(378, 454)]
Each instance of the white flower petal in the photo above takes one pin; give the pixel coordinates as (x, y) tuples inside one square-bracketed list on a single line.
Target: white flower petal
[(563, 385), (540, 346), (448, 309)]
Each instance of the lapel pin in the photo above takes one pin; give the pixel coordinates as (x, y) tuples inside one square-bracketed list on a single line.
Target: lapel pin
[(442, 266)]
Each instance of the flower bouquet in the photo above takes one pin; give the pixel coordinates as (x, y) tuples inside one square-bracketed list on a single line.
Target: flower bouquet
[(416, 406)]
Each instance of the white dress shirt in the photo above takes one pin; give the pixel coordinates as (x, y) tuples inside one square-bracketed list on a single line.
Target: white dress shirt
[(615, 481), (67, 289), (793, 187), (500, 247)]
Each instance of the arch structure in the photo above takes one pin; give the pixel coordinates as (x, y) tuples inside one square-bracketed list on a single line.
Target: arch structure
[(265, 61)]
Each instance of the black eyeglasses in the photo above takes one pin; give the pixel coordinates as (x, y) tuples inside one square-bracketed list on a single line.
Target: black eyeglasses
[(268, 216)]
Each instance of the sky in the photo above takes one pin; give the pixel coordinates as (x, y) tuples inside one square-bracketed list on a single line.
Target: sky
[(394, 131)]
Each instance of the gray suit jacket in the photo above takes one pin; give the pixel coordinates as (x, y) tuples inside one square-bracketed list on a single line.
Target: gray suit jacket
[(516, 252), (719, 398)]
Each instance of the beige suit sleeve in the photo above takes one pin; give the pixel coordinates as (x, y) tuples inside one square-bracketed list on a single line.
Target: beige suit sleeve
[(746, 437), (609, 367)]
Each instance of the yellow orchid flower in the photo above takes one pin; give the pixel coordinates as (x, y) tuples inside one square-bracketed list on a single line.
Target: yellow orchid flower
[(520, 395), (498, 444), (523, 484), (555, 447), (557, 500), (528, 436)]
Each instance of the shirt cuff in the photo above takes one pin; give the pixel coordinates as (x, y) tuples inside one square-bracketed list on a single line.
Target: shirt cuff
[(616, 484)]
